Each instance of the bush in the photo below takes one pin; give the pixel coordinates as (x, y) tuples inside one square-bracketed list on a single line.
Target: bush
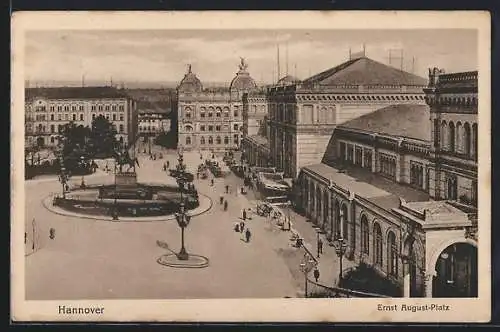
[(366, 279)]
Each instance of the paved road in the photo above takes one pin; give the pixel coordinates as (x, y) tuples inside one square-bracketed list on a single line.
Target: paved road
[(92, 259)]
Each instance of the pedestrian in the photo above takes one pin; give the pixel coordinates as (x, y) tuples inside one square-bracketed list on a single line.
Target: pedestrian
[(164, 167), (248, 235), (212, 182), (197, 175), (242, 226), (316, 274), (168, 164), (227, 189), (320, 246), (225, 205), (221, 200), (237, 228), (52, 233), (244, 214)]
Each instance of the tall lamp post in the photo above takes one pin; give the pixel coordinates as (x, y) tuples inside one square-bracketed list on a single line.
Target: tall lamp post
[(182, 218), (305, 267), (340, 245)]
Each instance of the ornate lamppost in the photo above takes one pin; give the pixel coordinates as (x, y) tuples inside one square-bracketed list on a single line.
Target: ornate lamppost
[(306, 266), (182, 218), (340, 245)]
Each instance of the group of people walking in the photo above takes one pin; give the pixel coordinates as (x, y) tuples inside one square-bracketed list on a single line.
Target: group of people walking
[(240, 227)]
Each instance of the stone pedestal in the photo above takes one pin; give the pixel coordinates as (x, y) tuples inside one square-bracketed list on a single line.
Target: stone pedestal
[(126, 179)]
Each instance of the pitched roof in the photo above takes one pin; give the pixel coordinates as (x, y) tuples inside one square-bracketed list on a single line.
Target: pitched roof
[(396, 120), (365, 71), (89, 92)]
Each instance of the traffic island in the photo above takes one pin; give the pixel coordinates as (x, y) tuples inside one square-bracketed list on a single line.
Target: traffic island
[(192, 261)]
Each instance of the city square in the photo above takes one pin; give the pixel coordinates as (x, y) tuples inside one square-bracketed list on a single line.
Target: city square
[(101, 259)]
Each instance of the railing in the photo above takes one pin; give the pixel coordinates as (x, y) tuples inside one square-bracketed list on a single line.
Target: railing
[(318, 290)]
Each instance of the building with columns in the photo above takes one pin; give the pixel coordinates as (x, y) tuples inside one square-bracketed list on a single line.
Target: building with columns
[(303, 115), (47, 110), (375, 189), (212, 119)]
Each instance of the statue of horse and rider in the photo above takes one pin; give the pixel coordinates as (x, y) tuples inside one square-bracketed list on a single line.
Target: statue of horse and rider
[(123, 158)]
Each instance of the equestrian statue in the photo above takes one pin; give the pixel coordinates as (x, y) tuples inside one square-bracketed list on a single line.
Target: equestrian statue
[(123, 158)]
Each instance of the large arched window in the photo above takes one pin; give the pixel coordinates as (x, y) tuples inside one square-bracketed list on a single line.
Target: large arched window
[(188, 140), (377, 244), (318, 204), (459, 137), (210, 112), (467, 140), (202, 112), (392, 254), (188, 128), (444, 136), (218, 140), (345, 222), (187, 112), (474, 140), (325, 208), (202, 140), (210, 140), (337, 220), (218, 112), (365, 235), (451, 137), (313, 201)]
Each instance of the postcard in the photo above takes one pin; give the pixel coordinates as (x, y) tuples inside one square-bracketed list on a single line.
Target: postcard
[(207, 167)]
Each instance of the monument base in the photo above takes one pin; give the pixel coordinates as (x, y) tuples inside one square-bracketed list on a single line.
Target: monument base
[(126, 179)]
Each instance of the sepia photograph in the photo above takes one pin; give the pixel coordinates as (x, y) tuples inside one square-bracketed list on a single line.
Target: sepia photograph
[(199, 167)]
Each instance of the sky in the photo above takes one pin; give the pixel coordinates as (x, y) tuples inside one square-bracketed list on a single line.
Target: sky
[(163, 55)]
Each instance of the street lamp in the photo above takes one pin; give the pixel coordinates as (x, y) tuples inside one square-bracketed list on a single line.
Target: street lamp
[(182, 218), (183, 221), (305, 267), (340, 249)]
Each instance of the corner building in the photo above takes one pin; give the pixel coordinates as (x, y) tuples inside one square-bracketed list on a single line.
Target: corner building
[(212, 119)]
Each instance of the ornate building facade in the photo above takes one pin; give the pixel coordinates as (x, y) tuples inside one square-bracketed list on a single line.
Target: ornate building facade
[(302, 116), (255, 144), (453, 103), (212, 119), (47, 110), (374, 189)]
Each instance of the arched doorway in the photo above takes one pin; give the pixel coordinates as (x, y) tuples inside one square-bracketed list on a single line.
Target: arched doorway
[(412, 260), (337, 220), (325, 209), (345, 222), (317, 217), (456, 272)]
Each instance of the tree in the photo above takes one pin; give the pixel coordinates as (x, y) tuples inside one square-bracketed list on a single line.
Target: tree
[(74, 150), (102, 137)]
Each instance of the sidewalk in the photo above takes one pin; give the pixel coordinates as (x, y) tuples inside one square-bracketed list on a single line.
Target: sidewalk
[(328, 261)]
